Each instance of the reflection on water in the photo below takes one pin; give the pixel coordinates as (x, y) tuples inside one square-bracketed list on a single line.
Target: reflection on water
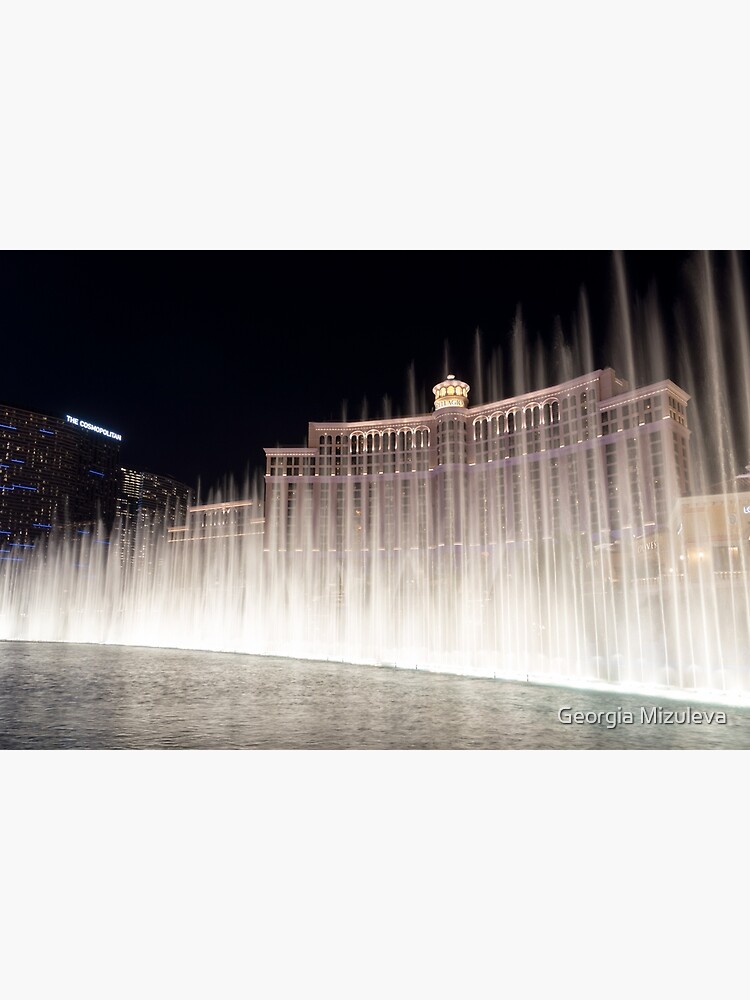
[(89, 696)]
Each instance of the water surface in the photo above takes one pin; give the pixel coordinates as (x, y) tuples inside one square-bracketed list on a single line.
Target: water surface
[(54, 695)]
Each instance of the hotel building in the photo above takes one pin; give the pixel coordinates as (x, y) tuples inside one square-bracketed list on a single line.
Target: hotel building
[(222, 520), (53, 471), (591, 456), (144, 496)]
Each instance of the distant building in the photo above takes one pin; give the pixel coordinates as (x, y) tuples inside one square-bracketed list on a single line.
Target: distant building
[(212, 521), (146, 496), (53, 471), (590, 456)]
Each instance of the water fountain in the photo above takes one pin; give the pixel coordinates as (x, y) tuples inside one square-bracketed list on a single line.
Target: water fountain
[(562, 607)]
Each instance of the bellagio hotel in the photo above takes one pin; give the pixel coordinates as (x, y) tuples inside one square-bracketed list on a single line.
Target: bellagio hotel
[(589, 457)]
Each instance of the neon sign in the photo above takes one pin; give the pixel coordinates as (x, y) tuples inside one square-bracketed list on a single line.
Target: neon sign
[(93, 427)]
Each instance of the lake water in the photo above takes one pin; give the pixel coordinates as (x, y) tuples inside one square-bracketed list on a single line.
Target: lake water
[(115, 697)]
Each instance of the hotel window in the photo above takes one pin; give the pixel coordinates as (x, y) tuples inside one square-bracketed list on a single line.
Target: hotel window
[(566, 429), (373, 448), (326, 454), (389, 451)]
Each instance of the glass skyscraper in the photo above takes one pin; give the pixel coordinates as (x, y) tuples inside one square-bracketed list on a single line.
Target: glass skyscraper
[(54, 471)]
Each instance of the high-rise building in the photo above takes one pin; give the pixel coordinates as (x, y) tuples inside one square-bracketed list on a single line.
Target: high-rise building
[(159, 499), (53, 471), (591, 456)]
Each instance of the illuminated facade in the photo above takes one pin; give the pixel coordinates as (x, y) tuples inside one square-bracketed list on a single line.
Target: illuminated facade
[(713, 532), (159, 499), (591, 457), (227, 519), (53, 471)]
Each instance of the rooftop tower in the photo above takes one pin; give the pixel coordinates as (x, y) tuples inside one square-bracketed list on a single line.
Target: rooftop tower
[(451, 392)]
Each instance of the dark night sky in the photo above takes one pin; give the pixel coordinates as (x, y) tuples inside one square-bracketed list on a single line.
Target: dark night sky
[(202, 359)]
